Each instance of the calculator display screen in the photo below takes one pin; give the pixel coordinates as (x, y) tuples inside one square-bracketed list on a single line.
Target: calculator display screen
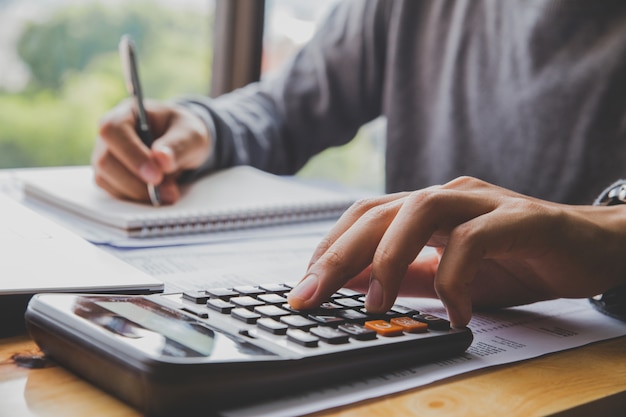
[(163, 331)]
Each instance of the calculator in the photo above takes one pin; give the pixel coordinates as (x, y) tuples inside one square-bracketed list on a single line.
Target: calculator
[(222, 347)]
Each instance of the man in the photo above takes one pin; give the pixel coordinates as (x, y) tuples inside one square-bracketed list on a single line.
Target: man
[(523, 100)]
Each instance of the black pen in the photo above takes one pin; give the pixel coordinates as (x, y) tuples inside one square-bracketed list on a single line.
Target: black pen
[(131, 76)]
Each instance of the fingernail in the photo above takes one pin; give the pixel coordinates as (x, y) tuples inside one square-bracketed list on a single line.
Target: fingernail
[(458, 317), (164, 149), (374, 298), (164, 156), (150, 173), (169, 193), (305, 289)]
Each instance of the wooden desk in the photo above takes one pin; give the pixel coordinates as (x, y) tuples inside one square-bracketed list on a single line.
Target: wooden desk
[(588, 381)]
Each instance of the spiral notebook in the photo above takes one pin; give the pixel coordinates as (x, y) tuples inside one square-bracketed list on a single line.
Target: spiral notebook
[(235, 198)]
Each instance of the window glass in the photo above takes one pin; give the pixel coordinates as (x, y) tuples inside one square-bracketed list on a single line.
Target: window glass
[(289, 24), (61, 71)]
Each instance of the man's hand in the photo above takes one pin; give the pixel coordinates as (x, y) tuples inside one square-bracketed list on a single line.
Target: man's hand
[(123, 165), (495, 248)]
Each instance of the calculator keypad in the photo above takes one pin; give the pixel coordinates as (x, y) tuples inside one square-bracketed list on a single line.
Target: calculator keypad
[(336, 322)]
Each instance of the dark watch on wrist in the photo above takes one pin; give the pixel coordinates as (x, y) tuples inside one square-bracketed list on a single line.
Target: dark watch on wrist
[(613, 302)]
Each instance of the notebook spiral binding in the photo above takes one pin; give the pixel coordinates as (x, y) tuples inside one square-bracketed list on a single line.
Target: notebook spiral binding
[(197, 223)]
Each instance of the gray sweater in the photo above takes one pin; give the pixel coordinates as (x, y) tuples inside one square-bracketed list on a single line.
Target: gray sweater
[(526, 94)]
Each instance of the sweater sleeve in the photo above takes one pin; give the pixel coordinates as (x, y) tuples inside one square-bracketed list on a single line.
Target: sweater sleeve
[(319, 99)]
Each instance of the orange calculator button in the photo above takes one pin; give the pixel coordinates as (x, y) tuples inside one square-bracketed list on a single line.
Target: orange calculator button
[(384, 328), (409, 325)]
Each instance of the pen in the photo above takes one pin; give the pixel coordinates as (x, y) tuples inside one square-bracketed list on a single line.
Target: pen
[(131, 76)]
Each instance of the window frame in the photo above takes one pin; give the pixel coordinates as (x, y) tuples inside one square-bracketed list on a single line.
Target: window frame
[(238, 46)]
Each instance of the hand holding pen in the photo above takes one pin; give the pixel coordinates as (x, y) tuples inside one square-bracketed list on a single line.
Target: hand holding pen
[(146, 145), (131, 76)]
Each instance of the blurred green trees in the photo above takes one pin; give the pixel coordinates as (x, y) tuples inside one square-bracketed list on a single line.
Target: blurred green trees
[(76, 75)]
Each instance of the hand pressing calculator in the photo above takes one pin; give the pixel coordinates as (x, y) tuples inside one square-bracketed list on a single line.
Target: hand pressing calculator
[(222, 347)]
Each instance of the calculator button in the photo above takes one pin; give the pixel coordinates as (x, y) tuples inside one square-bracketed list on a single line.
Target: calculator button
[(384, 328), (348, 302), (199, 311), (352, 315), (288, 307), (271, 311), (434, 322), (275, 288), (198, 297), (245, 315), (247, 333), (302, 338), (272, 298), (328, 306), (330, 335), (272, 326), (223, 293), (409, 325), (246, 301), (326, 319), (405, 311), (248, 290), (347, 292), (220, 305), (358, 332), (379, 316), (298, 322)]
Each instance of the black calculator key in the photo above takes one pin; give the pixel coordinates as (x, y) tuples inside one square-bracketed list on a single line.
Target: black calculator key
[(246, 301), (223, 293), (199, 311), (298, 322), (220, 305), (348, 302), (245, 315), (330, 335), (302, 338), (272, 298), (271, 311), (379, 316), (352, 315), (275, 288), (198, 297), (434, 322), (358, 332), (272, 326), (288, 307), (326, 320), (328, 306), (347, 292), (248, 290), (405, 311)]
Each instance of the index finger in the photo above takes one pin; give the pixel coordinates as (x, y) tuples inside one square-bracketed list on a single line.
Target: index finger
[(346, 257), (348, 219)]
